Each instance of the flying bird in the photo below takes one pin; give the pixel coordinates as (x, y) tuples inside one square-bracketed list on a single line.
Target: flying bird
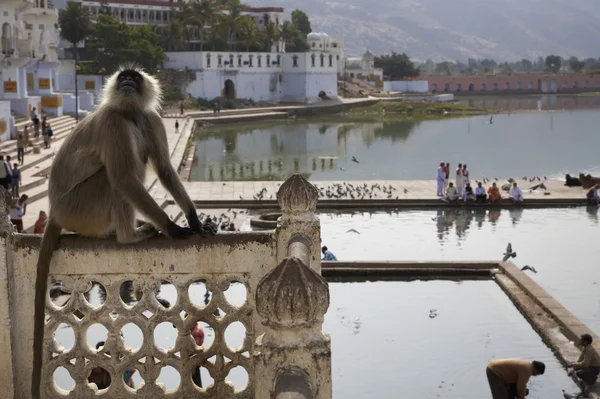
[(491, 119), (353, 231), (527, 267), (355, 160), (342, 169), (509, 253)]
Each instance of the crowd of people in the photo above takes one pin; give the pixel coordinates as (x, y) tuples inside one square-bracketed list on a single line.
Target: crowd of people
[(10, 173), (461, 189)]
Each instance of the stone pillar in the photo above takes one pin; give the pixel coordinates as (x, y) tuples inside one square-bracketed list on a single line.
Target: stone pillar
[(6, 361), (298, 201), (293, 356)]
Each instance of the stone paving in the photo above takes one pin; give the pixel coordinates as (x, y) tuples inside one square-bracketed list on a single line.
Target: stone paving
[(376, 190)]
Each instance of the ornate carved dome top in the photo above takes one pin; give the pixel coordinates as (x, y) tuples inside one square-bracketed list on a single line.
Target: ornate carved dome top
[(292, 294), (296, 194)]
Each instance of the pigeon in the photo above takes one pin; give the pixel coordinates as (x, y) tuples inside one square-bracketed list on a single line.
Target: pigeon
[(342, 169), (355, 160), (433, 314), (492, 119), (509, 253), (352, 231), (527, 267)]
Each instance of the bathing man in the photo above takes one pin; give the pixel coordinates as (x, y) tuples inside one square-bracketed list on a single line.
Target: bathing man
[(441, 176), (587, 367), (508, 377), (327, 254)]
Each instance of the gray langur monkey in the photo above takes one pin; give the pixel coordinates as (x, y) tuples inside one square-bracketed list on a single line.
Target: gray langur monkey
[(96, 182)]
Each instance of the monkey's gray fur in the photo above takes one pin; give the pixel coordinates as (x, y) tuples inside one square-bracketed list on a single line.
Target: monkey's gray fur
[(96, 181)]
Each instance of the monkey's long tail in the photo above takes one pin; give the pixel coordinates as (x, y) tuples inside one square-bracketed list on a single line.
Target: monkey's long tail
[(49, 245)]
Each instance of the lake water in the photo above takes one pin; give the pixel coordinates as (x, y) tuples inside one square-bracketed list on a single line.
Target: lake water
[(384, 342), (530, 143), (562, 244), (385, 345)]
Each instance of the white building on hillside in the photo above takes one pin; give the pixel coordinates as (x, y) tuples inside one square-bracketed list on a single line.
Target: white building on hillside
[(322, 42), (363, 68), (29, 44), (159, 13), (285, 77)]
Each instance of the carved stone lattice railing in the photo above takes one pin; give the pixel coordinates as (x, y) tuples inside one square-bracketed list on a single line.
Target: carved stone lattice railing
[(147, 314), (281, 313)]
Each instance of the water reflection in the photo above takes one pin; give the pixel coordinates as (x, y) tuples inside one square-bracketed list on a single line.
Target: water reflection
[(534, 102), (400, 150), (559, 243)]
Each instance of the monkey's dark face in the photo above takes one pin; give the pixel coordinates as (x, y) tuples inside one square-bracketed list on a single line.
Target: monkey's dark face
[(130, 82)]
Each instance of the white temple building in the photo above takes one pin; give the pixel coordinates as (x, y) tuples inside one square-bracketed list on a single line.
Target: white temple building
[(29, 44), (35, 80), (363, 68)]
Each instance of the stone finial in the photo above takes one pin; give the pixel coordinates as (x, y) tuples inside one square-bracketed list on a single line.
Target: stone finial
[(296, 194), (292, 294)]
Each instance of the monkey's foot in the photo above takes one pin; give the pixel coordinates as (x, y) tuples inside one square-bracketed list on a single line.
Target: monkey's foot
[(147, 229)]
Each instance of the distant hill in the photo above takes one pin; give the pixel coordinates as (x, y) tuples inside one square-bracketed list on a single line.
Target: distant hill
[(505, 30)]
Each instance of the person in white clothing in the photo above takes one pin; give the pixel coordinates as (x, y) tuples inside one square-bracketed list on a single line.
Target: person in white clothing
[(441, 176), (460, 181), (451, 193), (516, 193), (465, 174)]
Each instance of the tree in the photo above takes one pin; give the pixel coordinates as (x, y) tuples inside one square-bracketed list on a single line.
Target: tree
[(248, 33), (553, 63), (289, 33), (173, 39), (444, 67), (397, 66), (575, 65), (114, 43), (202, 14), (147, 53), (75, 25), (300, 19), (230, 22), (270, 35)]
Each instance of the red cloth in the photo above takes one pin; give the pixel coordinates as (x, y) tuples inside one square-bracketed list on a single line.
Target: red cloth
[(198, 334)]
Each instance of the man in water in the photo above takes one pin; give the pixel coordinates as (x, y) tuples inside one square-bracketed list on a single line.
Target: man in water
[(508, 377), (592, 195), (480, 195), (441, 176), (587, 367), (516, 193), (327, 254)]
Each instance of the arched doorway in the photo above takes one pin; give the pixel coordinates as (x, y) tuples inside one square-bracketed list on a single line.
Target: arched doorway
[(229, 90), (6, 38)]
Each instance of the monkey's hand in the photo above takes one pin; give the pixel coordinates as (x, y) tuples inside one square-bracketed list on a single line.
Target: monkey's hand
[(177, 232), (197, 226)]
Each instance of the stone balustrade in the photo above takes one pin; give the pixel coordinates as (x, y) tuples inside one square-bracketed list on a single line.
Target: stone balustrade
[(100, 285)]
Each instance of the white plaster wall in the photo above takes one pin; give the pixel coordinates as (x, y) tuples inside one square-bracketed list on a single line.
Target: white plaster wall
[(85, 100), (413, 86), (6, 116), (294, 87), (65, 75), (10, 74), (317, 82)]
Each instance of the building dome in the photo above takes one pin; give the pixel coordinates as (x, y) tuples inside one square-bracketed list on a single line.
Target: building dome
[(313, 36), (368, 54)]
